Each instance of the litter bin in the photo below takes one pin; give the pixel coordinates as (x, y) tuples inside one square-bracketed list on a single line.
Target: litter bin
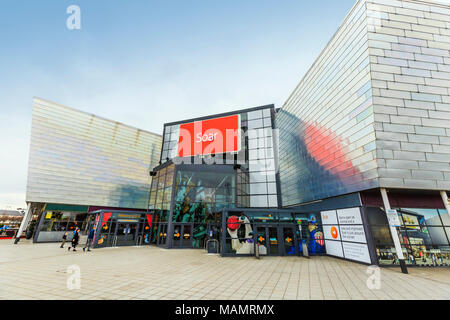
[(212, 246)]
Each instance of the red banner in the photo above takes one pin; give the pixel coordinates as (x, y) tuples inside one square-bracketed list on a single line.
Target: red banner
[(214, 136)]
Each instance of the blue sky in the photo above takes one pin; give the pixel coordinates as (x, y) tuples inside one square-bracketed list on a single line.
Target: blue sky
[(147, 62)]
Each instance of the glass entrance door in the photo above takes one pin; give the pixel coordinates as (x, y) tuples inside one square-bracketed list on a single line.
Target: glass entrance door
[(182, 235), (187, 236), (261, 239), (277, 240), (273, 241), (132, 233), (268, 240), (290, 241), (177, 235), (162, 234), (126, 234)]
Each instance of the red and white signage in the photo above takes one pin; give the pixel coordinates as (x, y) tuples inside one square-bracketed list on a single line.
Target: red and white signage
[(213, 136)]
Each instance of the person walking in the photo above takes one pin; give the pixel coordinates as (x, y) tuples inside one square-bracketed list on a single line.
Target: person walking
[(89, 240), (75, 239), (64, 239)]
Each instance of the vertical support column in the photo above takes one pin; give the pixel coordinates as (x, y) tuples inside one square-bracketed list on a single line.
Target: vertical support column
[(394, 234), (26, 219), (446, 201)]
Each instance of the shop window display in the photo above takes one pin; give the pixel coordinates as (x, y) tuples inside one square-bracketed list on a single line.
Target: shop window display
[(63, 221), (199, 196), (275, 233), (423, 237), (239, 238)]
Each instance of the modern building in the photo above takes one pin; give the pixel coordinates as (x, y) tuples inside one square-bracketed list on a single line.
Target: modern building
[(210, 164), (356, 163), (80, 163), (373, 114)]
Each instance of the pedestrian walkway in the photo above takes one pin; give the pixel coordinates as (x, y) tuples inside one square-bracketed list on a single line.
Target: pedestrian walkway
[(39, 271)]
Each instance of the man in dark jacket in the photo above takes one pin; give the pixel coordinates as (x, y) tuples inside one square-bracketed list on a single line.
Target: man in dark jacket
[(89, 239), (75, 239)]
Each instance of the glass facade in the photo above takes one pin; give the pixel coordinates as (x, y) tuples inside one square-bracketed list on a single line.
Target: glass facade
[(121, 228), (256, 174), (55, 219), (161, 189), (201, 195), (423, 234), (188, 194), (64, 221), (279, 233)]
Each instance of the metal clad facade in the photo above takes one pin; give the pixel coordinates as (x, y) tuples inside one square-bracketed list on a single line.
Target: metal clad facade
[(81, 159), (409, 45), (327, 138)]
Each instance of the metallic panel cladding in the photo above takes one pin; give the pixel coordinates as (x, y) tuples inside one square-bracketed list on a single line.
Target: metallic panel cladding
[(409, 45), (374, 109), (81, 159), (327, 137)]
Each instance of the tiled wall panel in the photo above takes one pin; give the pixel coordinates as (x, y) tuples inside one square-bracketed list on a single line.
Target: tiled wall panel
[(410, 71), (81, 159)]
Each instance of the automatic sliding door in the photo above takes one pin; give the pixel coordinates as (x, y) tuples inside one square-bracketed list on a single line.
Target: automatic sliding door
[(262, 240), (162, 235), (182, 236), (274, 246), (187, 236), (121, 233), (130, 239), (177, 234), (289, 242)]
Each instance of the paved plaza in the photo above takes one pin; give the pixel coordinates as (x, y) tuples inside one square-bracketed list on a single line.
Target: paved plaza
[(39, 271)]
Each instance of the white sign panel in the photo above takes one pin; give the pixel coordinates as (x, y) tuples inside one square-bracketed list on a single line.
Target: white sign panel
[(393, 219), (329, 217), (349, 216), (356, 251), (334, 248), (331, 232), (353, 233), (344, 234)]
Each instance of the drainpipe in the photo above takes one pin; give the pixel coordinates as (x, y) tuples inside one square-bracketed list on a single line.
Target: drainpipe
[(446, 201), (394, 234)]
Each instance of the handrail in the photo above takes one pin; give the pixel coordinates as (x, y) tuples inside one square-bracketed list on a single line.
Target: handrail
[(114, 242), (139, 240)]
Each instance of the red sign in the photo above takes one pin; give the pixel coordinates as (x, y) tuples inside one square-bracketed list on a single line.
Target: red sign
[(214, 136)]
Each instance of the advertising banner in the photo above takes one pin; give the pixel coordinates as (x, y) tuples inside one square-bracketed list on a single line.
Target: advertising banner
[(331, 232), (344, 234), (212, 136), (353, 233), (334, 248), (329, 217), (349, 216), (356, 251)]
